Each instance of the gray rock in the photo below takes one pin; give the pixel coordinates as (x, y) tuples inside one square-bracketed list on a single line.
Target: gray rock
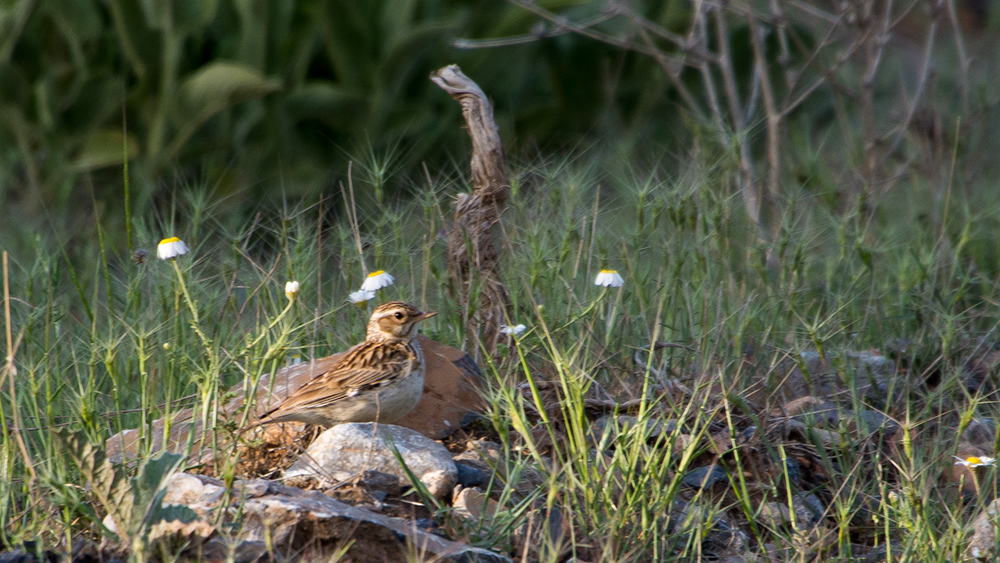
[(194, 491), (471, 476), (440, 482), (705, 477), (980, 433), (473, 504), (774, 515), (826, 377), (27, 555), (808, 509), (347, 450), (218, 551), (485, 456), (794, 469), (539, 538), (875, 554), (875, 421), (982, 546), (722, 541), (376, 481), (428, 525), (626, 424), (282, 516), (481, 454)]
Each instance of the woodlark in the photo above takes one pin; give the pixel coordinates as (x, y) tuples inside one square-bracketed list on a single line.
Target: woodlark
[(380, 379)]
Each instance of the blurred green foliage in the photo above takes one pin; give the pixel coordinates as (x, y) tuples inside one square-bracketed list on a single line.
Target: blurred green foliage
[(247, 95), (255, 99)]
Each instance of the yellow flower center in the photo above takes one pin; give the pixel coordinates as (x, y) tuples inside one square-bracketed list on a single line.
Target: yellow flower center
[(378, 273), (609, 271), (169, 240), (974, 460)]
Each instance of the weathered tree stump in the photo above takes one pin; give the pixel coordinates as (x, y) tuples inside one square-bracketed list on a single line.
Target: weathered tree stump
[(473, 260)]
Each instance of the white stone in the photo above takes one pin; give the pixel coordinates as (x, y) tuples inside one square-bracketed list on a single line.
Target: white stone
[(356, 447)]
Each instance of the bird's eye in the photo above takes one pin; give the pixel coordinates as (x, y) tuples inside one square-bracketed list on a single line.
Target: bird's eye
[(398, 315)]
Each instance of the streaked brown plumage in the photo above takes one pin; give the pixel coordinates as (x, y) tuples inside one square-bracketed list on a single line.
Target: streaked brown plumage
[(380, 379)]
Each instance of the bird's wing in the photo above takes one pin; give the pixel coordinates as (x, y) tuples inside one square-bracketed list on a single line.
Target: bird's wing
[(365, 366)]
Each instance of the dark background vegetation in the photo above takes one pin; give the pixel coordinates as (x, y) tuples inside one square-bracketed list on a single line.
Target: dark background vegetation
[(259, 100), (774, 179)]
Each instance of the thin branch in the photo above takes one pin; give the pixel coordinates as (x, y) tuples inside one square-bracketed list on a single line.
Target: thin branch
[(963, 57), (529, 37), (726, 69), (564, 23), (779, 22), (925, 71), (773, 120), (749, 189), (826, 78), (673, 75), (811, 9)]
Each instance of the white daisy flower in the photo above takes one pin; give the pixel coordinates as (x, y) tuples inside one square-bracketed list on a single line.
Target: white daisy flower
[(609, 278), (984, 461), (291, 290), (171, 248), (377, 280), (361, 296), (514, 330)]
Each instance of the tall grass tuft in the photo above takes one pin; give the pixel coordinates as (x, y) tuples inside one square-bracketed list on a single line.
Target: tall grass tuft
[(693, 349)]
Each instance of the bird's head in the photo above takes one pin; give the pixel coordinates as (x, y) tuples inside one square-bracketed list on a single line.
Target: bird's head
[(395, 320)]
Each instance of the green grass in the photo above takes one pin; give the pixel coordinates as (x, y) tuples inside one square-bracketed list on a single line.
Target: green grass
[(104, 343)]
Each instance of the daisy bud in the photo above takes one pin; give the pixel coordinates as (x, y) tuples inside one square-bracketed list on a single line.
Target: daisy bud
[(291, 290)]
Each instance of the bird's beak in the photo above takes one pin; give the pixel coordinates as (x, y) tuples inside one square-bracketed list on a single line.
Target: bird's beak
[(427, 315)]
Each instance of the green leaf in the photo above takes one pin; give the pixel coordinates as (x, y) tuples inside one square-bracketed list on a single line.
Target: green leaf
[(156, 12), (104, 148), (183, 16), (218, 85), (179, 512), (107, 482), (13, 15), (79, 20), (150, 486), (194, 16), (323, 100), (14, 89), (211, 89)]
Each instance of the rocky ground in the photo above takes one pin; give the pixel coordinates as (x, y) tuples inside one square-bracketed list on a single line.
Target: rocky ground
[(297, 494)]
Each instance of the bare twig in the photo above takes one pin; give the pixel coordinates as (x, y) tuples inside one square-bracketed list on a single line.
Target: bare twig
[(535, 35), (564, 23), (773, 120), (473, 261), (963, 58), (921, 84), (856, 33), (673, 72), (748, 187), (779, 22)]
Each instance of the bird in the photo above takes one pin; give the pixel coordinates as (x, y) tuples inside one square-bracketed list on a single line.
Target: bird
[(378, 380)]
